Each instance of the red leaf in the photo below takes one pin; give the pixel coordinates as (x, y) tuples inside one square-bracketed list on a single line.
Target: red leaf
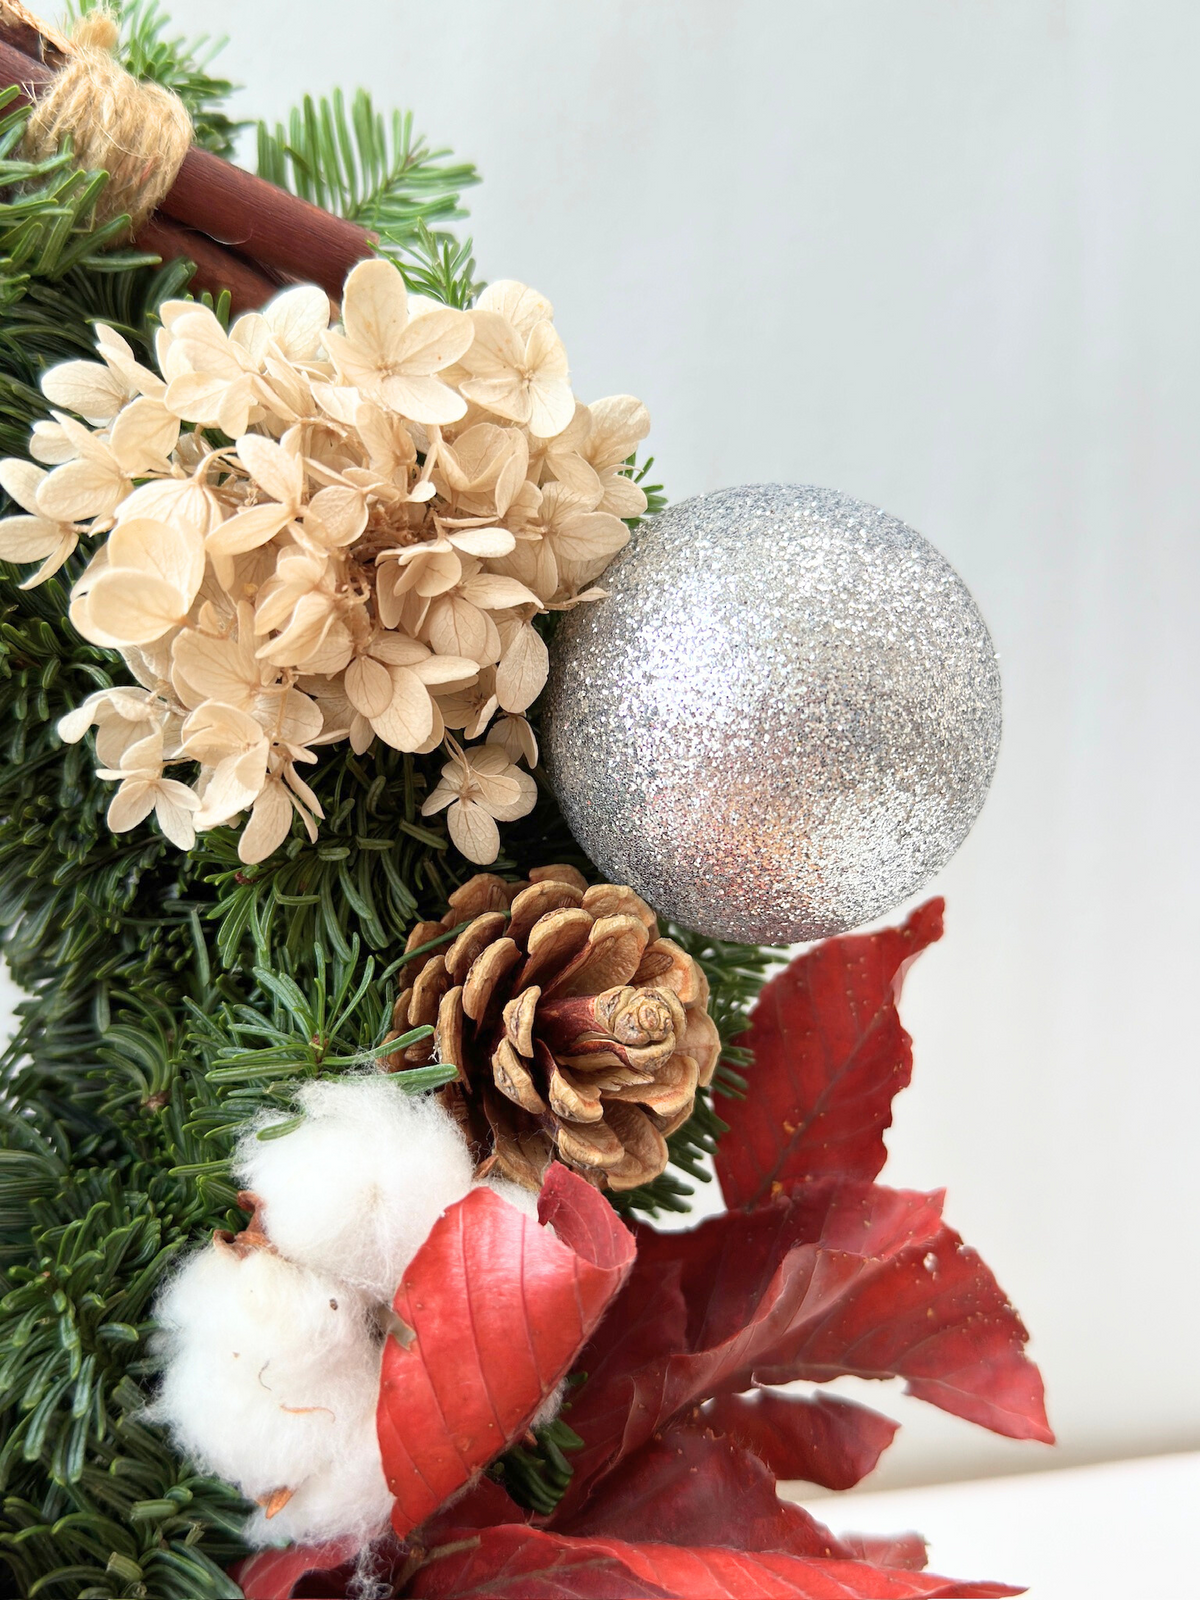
[(836, 1278), (277, 1574), (819, 1437), (686, 1487), (485, 1504), (648, 1324), (493, 1310), (907, 1550), (829, 1055), (526, 1564)]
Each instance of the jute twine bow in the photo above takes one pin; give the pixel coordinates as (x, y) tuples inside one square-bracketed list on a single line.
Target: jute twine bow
[(137, 132)]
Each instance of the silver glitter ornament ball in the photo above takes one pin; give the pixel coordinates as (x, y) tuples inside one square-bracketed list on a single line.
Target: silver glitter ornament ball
[(782, 721)]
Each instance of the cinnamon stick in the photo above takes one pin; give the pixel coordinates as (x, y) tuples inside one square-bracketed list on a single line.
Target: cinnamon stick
[(267, 227), (216, 267)]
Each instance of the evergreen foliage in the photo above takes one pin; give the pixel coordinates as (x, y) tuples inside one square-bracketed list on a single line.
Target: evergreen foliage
[(363, 166), (168, 997)]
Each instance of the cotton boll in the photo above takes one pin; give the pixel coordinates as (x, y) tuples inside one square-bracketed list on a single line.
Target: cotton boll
[(348, 1496), (354, 1191), (269, 1368)]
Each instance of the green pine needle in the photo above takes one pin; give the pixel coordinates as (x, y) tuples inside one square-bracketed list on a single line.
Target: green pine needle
[(364, 166)]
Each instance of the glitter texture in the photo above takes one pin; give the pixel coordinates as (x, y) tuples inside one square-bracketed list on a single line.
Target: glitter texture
[(782, 721)]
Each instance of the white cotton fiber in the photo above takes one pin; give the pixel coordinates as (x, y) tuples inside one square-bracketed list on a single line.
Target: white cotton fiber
[(269, 1370), (355, 1189), (348, 1496)]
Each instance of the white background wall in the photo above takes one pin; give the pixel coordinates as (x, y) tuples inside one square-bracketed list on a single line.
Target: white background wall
[(943, 255)]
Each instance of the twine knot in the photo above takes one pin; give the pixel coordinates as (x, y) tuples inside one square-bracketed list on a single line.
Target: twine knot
[(137, 132)]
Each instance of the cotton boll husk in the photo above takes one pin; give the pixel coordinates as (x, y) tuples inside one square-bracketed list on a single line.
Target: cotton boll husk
[(269, 1367), (349, 1496), (354, 1191)]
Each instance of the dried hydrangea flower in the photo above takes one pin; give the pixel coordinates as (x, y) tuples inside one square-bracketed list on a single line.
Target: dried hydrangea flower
[(318, 534)]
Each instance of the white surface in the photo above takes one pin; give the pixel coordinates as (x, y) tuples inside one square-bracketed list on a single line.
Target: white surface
[(943, 257), (1112, 1532)]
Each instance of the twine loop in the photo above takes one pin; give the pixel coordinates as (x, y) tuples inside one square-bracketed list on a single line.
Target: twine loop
[(137, 132)]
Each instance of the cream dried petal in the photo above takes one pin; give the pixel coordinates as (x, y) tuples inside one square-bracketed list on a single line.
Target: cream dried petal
[(474, 832), (341, 514), (523, 669), (516, 738), (492, 592), (459, 671), (89, 388), (143, 437), (298, 319), (29, 538), (196, 396), (269, 825), (186, 502), (524, 802), (434, 341), (21, 481), (485, 543), (422, 399), (408, 718), (442, 796), (81, 489), (375, 306), (131, 608), (551, 403), (272, 467), (131, 805), (174, 554), (437, 733), (214, 731), (248, 529), (369, 686), (217, 667), (517, 303), (49, 444), (497, 351), (397, 650), (618, 425), (621, 497), (174, 808), (235, 785), (457, 628)]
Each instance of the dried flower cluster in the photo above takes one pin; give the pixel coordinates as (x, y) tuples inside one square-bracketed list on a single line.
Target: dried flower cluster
[(578, 1032), (322, 533)]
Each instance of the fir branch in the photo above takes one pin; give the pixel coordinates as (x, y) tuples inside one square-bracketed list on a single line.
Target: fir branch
[(363, 166), (441, 267), (47, 212)]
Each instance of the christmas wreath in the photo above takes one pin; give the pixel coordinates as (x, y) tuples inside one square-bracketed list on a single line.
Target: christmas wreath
[(331, 1161)]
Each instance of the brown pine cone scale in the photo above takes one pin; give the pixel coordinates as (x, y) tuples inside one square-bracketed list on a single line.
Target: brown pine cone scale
[(576, 1030)]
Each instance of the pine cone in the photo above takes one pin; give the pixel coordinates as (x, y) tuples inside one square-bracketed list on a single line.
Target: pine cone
[(575, 1029)]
